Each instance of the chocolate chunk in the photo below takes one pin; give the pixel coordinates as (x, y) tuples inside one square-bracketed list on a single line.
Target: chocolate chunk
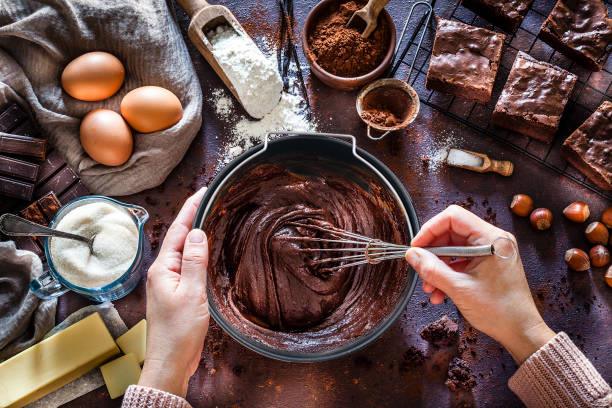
[(23, 146), (59, 183), (16, 188), (459, 376), (579, 29), (589, 148), (508, 14), (29, 244), (11, 117), (52, 164), (464, 60), (441, 333), (33, 213), (18, 168), (77, 190), (49, 205), (533, 98), (26, 129)]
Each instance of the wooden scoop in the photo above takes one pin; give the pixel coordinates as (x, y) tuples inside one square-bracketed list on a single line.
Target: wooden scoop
[(369, 13), (206, 17)]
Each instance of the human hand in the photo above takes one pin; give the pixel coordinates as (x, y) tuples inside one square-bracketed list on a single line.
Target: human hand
[(177, 305), (491, 293)]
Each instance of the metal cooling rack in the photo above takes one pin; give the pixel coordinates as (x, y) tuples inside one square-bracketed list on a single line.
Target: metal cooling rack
[(591, 89)]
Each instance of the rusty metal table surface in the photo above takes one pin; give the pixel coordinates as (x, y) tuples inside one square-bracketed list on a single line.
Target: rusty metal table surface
[(230, 375)]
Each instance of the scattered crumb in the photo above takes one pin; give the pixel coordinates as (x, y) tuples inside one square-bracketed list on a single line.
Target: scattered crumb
[(459, 376), (441, 333), (413, 357)]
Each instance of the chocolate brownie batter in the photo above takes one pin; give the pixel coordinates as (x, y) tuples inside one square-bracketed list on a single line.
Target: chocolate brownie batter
[(267, 288)]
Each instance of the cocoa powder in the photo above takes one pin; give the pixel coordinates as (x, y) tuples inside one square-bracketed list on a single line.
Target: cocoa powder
[(380, 117), (341, 50)]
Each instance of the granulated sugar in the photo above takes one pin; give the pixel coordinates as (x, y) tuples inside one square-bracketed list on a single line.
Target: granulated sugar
[(253, 75), (435, 157)]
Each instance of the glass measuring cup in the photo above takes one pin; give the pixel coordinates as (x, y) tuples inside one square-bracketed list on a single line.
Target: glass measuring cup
[(51, 284)]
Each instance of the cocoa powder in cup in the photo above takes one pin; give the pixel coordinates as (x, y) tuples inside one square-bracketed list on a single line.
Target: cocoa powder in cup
[(341, 50)]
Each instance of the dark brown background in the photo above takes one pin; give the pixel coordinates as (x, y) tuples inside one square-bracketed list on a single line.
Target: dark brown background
[(578, 303)]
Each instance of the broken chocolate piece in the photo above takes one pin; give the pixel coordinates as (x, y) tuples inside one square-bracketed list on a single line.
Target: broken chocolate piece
[(29, 244), (77, 190), (26, 129), (11, 117), (33, 213), (23, 146), (460, 376), (18, 168), (16, 188), (49, 204), (441, 333), (58, 183), (52, 164)]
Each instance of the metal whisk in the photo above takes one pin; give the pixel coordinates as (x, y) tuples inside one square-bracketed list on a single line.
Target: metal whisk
[(365, 250)]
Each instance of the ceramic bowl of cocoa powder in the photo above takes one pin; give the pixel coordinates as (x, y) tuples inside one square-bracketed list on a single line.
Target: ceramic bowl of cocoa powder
[(337, 54)]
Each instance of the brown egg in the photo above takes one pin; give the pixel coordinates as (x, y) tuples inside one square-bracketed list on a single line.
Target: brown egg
[(151, 108), (106, 137), (93, 76)]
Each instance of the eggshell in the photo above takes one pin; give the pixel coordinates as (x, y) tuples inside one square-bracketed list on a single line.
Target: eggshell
[(106, 137), (151, 108), (93, 76)]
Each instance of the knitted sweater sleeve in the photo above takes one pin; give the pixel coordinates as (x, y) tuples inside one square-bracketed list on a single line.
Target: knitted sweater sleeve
[(559, 375), (138, 396)]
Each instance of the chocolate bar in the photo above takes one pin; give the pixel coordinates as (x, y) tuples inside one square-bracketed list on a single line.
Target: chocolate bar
[(18, 168), (59, 183), (30, 244), (23, 146), (49, 205), (11, 117), (16, 188), (77, 190), (52, 164), (26, 129)]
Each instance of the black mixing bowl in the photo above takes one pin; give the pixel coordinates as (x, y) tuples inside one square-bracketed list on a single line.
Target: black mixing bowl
[(310, 146)]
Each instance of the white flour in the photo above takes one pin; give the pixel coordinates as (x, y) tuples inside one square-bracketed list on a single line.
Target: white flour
[(254, 76), (114, 247)]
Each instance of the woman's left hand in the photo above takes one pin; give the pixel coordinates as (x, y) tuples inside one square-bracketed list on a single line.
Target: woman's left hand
[(177, 305)]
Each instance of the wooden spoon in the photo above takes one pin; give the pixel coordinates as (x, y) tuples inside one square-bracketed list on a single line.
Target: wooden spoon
[(369, 13), (206, 17)]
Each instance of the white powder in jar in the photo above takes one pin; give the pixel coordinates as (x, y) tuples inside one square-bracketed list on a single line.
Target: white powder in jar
[(114, 247), (255, 78)]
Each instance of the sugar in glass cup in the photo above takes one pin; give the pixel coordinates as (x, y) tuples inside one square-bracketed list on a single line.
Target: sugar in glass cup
[(51, 284)]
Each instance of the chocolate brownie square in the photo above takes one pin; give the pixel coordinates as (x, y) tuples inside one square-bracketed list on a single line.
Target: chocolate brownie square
[(464, 60), (533, 98), (507, 14), (579, 29), (589, 148)]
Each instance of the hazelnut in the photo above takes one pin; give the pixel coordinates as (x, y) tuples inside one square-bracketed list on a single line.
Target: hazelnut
[(600, 256), (597, 233), (521, 205), (609, 276), (606, 217), (578, 211), (541, 218), (577, 260)]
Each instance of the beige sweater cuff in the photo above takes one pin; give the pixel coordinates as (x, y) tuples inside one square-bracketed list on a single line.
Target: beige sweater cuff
[(559, 375), (138, 396)]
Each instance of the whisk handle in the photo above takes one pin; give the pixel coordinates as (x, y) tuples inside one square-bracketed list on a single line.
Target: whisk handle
[(463, 252)]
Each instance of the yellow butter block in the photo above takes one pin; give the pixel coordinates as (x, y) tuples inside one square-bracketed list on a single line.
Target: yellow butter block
[(120, 373), (55, 361), (135, 341)]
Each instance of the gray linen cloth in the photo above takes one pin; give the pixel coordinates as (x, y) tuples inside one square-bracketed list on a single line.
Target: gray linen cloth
[(24, 318), (38, 39)]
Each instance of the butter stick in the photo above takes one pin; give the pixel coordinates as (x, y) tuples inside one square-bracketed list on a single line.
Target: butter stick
[(120, 373), (55, 361), (135, 341)]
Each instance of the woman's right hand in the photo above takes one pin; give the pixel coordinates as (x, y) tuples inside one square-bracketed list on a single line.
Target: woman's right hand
[(491, 293)]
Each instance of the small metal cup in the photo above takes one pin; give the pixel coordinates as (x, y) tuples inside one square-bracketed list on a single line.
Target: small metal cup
[(402, 98)]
